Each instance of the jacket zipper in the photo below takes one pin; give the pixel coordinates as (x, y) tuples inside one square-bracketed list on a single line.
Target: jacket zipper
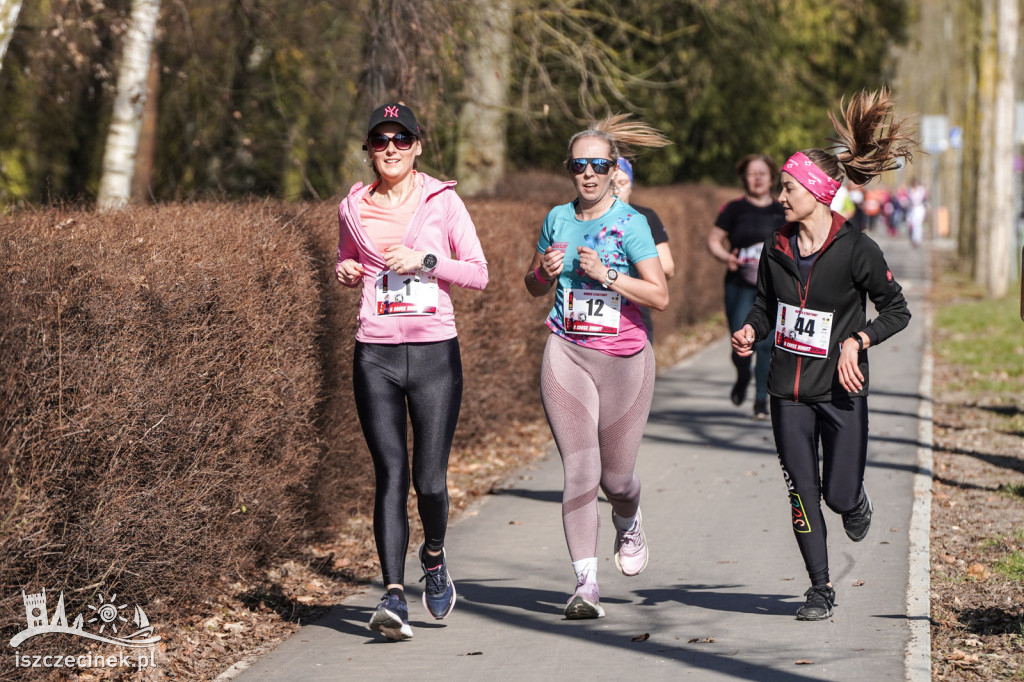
[(805, 290)]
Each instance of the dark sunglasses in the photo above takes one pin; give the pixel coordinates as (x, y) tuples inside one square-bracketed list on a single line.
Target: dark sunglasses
[(379, 141), (600, 166)]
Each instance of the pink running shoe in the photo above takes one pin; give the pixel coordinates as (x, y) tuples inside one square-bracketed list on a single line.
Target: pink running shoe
[(585, 602), (631, 548)]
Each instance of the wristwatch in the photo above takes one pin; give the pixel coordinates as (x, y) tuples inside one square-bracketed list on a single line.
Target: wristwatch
[(429, 262), (610, 278), (860, 342)]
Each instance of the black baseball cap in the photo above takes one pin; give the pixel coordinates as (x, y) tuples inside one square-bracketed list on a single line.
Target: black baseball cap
[(394, 113)]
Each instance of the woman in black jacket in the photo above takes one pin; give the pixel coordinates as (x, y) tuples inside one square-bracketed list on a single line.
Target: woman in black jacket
[(815, 275)]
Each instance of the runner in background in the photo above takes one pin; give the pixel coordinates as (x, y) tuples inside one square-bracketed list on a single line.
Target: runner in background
[(597, 377), (815, 275), (736, 239), (875, 199), (397, 238), (900, 208), (623, 188), (843, 202), (917, 196), (859, 219)]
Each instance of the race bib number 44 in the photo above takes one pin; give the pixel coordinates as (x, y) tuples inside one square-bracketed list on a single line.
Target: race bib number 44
[(803, 331), (594, 312), (414, 294)]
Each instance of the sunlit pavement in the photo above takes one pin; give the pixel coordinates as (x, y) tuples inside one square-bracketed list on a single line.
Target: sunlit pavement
[(718, 599)]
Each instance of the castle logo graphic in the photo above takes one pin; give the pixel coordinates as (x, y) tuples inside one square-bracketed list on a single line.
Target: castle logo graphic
[(109, 622)]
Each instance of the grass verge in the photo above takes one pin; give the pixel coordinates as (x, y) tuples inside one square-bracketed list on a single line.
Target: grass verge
[(977, 533)]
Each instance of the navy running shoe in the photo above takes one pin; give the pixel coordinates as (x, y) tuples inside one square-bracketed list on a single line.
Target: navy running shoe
[(391, 618), (439, 595)]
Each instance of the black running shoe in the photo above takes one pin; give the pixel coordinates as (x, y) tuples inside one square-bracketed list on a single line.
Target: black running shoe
[(820, 600), (739, 389), (857, 522)]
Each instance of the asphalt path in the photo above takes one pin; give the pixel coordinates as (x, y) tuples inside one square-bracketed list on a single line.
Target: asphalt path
[(725, 578)]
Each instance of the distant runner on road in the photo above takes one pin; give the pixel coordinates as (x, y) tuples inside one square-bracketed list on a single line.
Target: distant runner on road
[(744, 224), (815, 275)]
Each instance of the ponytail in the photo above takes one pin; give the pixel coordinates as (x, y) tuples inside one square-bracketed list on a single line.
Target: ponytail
[(871, 139), (622, 136)]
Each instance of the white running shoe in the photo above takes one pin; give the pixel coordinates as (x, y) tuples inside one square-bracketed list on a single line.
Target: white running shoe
[(631, 548), (585, 601)]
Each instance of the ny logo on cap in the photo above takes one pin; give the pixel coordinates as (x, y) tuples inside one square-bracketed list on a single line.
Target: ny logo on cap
[(391, 112)]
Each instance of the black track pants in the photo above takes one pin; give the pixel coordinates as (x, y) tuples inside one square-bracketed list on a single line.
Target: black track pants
[(426, 377), (842, 429)]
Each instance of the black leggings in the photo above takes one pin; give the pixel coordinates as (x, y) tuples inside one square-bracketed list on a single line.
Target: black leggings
[(842, 428), (427, 376)]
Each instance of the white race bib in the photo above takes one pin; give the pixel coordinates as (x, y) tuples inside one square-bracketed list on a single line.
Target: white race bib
[(593, 312), (751, 255), (412, 294), (803, 331)]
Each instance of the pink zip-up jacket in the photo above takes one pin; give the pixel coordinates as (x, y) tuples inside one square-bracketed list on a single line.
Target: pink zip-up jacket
[(440, 225)]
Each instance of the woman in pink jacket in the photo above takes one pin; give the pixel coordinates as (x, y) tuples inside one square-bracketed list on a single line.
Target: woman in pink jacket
[(407, 238)]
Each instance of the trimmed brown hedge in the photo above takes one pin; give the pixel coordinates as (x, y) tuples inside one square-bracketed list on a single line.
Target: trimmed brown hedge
[(176, 394), (159, 372)]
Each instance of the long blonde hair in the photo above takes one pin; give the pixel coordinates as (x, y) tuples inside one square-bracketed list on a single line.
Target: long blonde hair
[(871, 139), (622, 135)]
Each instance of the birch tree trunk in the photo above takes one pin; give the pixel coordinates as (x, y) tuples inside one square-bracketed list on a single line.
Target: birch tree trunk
[(1001, 242), (987, 69), (9, 10), (129, 104), (142, 178), (480, 150)]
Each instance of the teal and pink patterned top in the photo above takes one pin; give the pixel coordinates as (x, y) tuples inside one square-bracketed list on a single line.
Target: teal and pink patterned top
[(620, 242)]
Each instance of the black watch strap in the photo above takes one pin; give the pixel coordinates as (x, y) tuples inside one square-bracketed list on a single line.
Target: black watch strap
[(860, 341)]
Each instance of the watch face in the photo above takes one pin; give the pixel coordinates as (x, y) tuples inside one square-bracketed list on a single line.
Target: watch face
[(613, 275), (430, 261)]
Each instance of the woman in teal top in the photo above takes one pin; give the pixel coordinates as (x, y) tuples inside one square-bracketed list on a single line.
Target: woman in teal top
[(597, 374)]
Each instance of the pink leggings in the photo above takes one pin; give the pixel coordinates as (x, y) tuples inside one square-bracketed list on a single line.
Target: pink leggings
[(597, 406)]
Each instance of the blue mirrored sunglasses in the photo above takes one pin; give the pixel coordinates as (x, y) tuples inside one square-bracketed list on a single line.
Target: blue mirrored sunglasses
[(600, 166)]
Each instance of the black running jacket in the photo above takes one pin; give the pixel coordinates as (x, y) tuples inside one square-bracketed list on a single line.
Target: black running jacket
[(849, 269)]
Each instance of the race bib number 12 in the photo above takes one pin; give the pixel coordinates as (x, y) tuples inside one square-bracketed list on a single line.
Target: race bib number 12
[(803, 331), (594, 312)]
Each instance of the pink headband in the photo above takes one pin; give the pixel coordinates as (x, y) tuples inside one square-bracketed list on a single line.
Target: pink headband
[(814, 180)]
